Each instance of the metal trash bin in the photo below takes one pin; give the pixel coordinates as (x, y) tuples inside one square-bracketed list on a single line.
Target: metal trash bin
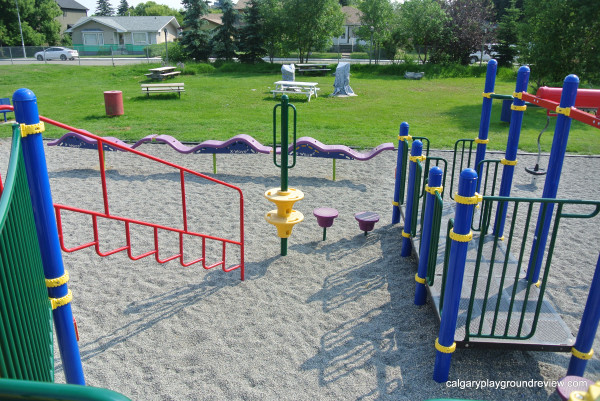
[(113, 102)]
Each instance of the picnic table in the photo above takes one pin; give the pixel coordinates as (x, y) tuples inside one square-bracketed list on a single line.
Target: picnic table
[(296, 87), (161, 73), (320, 68)]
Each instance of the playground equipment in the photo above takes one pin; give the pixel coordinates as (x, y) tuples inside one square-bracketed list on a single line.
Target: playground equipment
[(487, 302), (366, 221), (18, 360), (325, 217), (284, 197)]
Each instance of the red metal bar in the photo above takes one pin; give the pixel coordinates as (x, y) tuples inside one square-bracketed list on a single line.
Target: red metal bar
[(575, 113), (60, 235), (128, 237), (184, 207), (97, 240), (156, 247), (100, 145), (181, 251)]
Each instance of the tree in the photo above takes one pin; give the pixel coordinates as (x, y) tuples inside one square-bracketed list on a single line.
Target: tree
[(422, 25), (469, 27), (151, 8), (37, 22), (223, 41), (310, 24), (196, 39), (104, 9), (508, 35), (560, 38), (376, 23), (273, 27), (250, 39), (123, 8)]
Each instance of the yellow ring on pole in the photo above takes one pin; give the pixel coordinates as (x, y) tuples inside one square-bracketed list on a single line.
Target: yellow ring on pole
[(432, 190), (564, 110), (461, 237), (32, 129), (518, 95), (405, 235), (468, 200), (58, 281), (404, 138), (445, 350), (518, 108), (395, 203), (419, 279), (508, 162), (582, 355), (482, 141), (488, 94), (62, 301), (417, 158)]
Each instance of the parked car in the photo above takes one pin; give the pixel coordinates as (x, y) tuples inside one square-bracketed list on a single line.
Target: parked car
[(55, 53), (488, 54)]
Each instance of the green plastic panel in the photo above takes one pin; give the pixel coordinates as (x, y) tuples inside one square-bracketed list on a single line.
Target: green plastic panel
[(19, 390)]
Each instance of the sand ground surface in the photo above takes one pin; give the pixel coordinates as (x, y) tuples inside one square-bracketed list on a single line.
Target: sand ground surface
[(332, 320)]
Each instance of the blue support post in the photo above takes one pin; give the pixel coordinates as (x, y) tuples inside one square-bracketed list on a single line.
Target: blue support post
[(466, 199), (403, 138), (486, 113), (510, 158), (415, 154), (433, 183), (26, 114), (555, 163), (582, 350)]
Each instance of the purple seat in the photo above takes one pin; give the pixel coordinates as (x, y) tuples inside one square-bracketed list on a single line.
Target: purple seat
[(568, 384), (325, 217), (366, 220)]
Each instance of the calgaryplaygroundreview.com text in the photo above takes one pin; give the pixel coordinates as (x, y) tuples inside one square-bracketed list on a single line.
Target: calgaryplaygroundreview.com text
[(505, 384)]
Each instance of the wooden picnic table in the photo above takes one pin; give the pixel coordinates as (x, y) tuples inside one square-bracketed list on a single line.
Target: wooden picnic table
[(296, 87), (161, 73), (315, 67)]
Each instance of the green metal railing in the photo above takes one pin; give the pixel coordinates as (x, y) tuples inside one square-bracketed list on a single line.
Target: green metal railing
[(25, 314), (435, 237), (516, 317)]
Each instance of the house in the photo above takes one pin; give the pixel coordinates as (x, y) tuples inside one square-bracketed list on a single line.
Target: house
[(72, 12), (352, 21), (214, 20), (127, 35)]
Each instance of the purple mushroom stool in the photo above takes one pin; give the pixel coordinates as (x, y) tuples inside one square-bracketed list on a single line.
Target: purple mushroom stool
[(568, 384), (366, 220), (325, 216)]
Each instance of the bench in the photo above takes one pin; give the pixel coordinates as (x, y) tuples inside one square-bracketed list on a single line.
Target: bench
[(296, 88), (304, 68), (163, 88)]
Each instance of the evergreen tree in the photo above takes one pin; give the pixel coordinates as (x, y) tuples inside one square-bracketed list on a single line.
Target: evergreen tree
[(104, 8), (507, 35), (224, 38), (123, 8), (38, 22), (251, 35), (196, 39)]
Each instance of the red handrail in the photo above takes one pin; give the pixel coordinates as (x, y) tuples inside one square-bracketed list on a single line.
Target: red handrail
[(156, 227)]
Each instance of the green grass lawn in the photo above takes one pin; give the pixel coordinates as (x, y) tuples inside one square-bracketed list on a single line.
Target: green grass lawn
[(220, 105)]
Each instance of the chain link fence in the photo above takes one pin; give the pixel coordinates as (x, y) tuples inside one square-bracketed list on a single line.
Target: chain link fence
[(97, 55)]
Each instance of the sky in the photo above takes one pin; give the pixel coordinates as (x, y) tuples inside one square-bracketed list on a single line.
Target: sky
[(92, 4)]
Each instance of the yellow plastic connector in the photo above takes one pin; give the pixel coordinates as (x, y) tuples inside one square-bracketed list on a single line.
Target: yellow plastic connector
[(284, 225), (445, 350), (518, 108), (404, 138), (518, 95), (395, 203), (488, 94), (405, 235), (508, 162), (57, 282), (419, 279), (461, 237), (62, 301), (432, 190), (284, 200), (415, 159), (482, 141), (582, 355), (563, 110), (32, 129), (468, 200)]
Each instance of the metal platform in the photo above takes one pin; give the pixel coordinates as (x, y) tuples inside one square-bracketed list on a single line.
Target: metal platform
[(550, 334)]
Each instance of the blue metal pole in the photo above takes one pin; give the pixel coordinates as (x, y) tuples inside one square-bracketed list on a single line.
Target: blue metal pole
[(486, 112), (460, 236), (510, 158), (555, 163), (434, 182), (415, 152), (582, 350), (26, 114), (403, 138)]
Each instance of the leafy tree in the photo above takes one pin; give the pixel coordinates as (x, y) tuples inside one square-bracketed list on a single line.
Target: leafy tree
[(422, 25), (37, 22), (273, 27), (224, 38), (123, 8), (468, 27), (560, 38), (250, 40), (196, 39), (104, 9), (507, 35), (150, 8), (310, 24), (377, 18)]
